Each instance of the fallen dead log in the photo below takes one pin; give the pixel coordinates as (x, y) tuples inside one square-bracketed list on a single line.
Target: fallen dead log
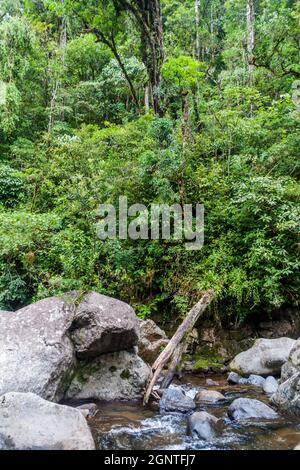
[(174, 345), (175, 361)]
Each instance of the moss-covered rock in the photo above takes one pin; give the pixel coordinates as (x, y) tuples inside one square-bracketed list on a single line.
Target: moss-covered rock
[(117, 376)]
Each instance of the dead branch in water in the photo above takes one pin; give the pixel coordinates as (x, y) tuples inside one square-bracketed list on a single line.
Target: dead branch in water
[(175, 347)]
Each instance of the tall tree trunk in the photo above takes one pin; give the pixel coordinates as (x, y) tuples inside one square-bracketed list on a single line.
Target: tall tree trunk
[(152, 47), (123, 68), (250, 37), (57, 84), (110, 42), (197, 17), (63, 45), (147, 98), (185, 117), (147, 14)]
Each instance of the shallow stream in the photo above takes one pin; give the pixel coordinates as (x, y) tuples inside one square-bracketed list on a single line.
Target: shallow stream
[(124, 426)]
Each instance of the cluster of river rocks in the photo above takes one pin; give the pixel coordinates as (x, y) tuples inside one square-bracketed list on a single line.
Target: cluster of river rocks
[(271, 364), (93, 347)]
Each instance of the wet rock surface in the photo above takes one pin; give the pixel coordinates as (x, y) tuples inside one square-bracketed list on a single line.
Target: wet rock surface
[(175, 400), (246, 408), (202, 425)]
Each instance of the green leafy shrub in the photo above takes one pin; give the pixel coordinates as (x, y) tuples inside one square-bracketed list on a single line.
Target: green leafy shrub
[(12, 187)]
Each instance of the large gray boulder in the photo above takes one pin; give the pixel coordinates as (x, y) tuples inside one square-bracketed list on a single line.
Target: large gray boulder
[(174, 400), (152, 341), (41, 344), (265, 358), (36, 353), (202, 425), (247, 408), (27, 422), (103, 325), (110, 377), (287, 396)]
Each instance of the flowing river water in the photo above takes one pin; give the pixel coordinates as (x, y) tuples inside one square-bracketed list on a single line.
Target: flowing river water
[(130, 426)]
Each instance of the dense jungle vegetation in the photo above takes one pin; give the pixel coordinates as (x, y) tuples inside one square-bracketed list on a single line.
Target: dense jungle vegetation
[(171, 101)]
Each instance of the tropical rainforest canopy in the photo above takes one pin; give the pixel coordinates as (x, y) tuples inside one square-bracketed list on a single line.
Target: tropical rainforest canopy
[(171, 101)]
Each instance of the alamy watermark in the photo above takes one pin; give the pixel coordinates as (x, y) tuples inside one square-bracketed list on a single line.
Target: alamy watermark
[(158, 221)]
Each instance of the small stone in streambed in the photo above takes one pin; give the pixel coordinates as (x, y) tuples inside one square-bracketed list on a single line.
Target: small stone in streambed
[(270, 385), (212, 383), (208, 396), (256, 380), (234, 378), (175, 400), (89, 410), (247, 408), (202, 425)]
